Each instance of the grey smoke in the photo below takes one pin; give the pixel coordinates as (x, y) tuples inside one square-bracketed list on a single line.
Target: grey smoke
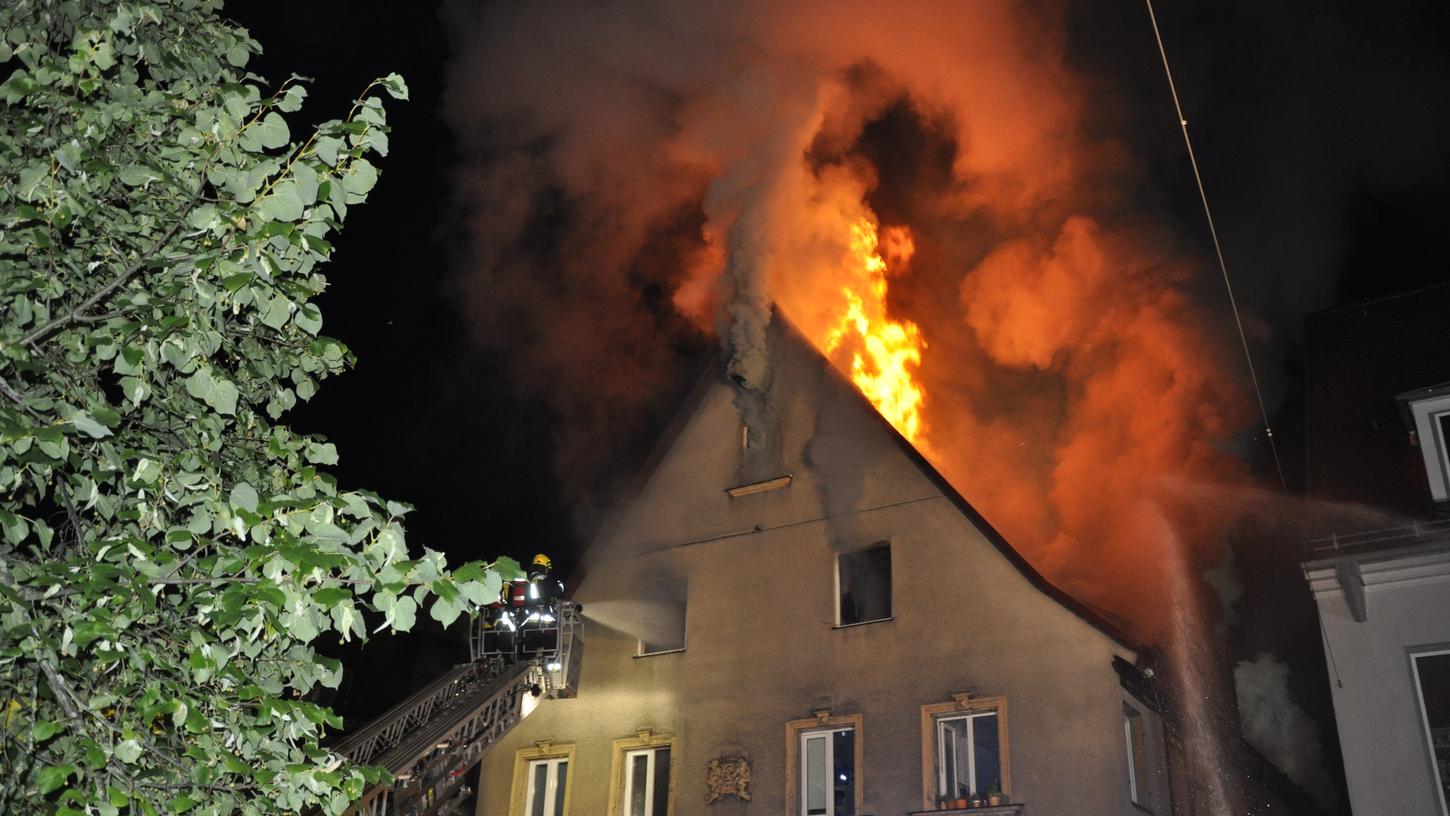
[(1275, 725)]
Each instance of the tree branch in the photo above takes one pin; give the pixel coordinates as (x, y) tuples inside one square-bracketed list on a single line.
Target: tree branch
[(114, 284)]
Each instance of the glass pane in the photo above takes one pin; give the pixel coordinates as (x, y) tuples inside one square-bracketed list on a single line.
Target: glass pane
[(539, 790), (947, 774), (986, 752), (662, 783), (1433, 673), (638, 784), (815, 784), (843, 778), (559, 782)]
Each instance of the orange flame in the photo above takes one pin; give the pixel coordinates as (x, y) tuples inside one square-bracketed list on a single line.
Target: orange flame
[(883, 352)]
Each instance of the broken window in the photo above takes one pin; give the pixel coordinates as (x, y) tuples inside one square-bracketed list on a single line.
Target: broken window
[(863, 582), (662, 618)]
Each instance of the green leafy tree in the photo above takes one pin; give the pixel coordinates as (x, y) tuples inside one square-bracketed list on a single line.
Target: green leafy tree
[(169, 551)]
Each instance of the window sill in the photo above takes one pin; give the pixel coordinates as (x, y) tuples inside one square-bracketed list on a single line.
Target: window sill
[(863, 623), (658, 654)]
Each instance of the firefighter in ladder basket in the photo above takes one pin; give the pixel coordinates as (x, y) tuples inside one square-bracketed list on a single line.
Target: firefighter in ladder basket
[(523, 622)]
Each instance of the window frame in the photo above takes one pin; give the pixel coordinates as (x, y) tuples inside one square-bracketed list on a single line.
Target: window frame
[(1140, 791), (941, 766), (890, 584), (524, 759), (644, 739), (1423, 715), (684, 588), (795, 734), (1428, 414), (962, 704)]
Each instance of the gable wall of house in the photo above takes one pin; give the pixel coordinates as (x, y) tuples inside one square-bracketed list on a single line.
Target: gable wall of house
[(762, 648)]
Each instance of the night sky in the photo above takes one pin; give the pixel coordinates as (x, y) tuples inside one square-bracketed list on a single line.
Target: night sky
[(1322, 130)]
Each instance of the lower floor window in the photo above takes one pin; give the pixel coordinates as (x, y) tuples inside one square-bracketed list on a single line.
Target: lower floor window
[(969, 755), (828, 772), (547, 781), (647, 782)]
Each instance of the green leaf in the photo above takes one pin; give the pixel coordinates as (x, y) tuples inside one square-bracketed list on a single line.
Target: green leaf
[(269, 132), (87, 425), (128, 750), (445, 611), (283, 204), (395, 86), (147, 471), (360, 178), (54, 778), (44, 730), (327, 149), (137, 175), (244, 496), (404, 613), (508, 569)]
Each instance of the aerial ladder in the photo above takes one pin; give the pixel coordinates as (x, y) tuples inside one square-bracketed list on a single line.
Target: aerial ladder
[(523, 650)]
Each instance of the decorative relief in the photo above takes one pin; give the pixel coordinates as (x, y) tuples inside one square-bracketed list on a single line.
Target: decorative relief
[(728, 775)]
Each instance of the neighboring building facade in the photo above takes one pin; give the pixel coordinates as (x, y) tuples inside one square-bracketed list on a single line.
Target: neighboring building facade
[(796, 614), (1378, 431)]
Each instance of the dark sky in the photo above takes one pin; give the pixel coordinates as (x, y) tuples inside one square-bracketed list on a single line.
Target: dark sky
[(1322, 130)]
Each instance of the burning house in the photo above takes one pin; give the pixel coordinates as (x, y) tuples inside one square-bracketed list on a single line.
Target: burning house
[(796, 612)]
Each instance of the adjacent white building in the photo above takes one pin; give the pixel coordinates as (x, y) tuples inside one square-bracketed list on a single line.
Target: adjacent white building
[(1383, 595)]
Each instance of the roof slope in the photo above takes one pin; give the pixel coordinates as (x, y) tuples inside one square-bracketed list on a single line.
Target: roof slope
[(714, 374)]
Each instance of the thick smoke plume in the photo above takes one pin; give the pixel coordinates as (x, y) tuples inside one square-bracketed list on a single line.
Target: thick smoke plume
[(642, 172), (641, 176)]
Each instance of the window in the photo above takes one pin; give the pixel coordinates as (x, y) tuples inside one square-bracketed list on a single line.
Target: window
[(662, 618), (863, 585), (824, 772), (964, 748), (542, 781), (642, 775), (1430, 412), (647, 782), (1135, 738), (828, 772), (969, 754), (548, 779), (1432, 680)]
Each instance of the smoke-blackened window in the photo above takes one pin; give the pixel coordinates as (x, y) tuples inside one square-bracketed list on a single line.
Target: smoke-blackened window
[(863, 581), (662, 624)]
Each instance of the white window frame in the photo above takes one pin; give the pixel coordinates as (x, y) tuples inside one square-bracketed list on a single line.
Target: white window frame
[(941, 752), (830, 765), (1434, 447), (1137, 788), (553, 794), (1425, 723), (649, 780)]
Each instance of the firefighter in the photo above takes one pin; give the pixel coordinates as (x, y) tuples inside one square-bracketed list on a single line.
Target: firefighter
[(544, 590)]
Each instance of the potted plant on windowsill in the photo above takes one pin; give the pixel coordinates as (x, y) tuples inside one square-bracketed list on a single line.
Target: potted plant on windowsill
[(943, 802), (994, 796), (977, 800), (962, 797)]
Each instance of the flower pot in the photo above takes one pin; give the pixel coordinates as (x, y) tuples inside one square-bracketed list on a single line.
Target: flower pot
[(994, 799)]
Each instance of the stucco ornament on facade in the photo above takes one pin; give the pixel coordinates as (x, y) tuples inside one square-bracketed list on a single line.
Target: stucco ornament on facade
[(728, 775)]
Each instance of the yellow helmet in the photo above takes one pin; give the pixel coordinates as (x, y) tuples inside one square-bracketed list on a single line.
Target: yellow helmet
[(542, 560)]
